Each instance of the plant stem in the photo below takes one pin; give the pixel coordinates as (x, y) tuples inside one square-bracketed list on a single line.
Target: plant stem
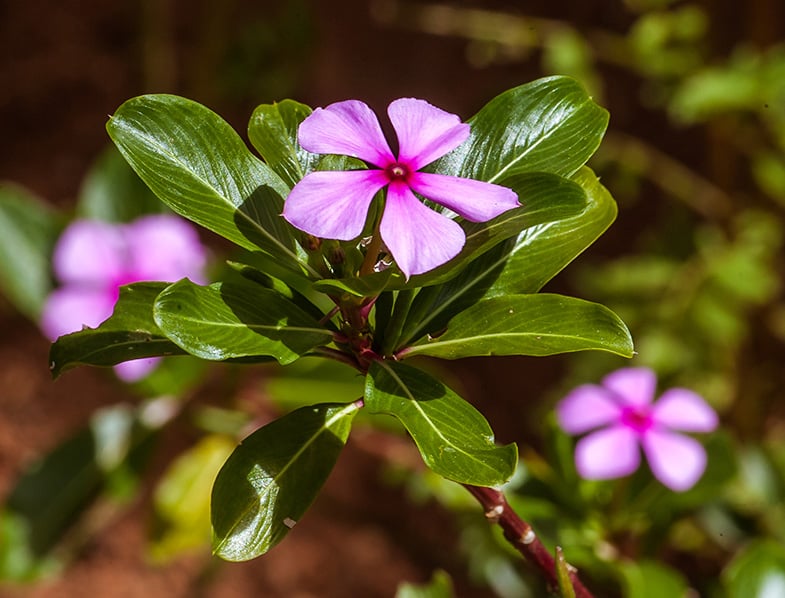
[(522, 537)]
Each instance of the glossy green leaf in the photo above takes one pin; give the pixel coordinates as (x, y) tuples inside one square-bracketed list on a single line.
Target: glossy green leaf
[(271, 479), (113, 192), (28, 232), (236, 319), (130, 333), (551, 206), (198, 165), (539, 324), (273, 132), (549, 125), (538, 254), (758, 570), (454, 438), (364, 286)]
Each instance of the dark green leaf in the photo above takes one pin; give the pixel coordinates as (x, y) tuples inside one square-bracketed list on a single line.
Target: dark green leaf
[(273, 132), (271, 479), (538, 254), (539, 324), (364, 286), (548, 125), (53, 494), (28, 231), (130, 333), (198, 165), (236, 319), (454, 438)]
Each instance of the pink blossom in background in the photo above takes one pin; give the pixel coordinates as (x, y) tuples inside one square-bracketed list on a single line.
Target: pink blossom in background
[(334, 204), (93, 259), (622, 418)]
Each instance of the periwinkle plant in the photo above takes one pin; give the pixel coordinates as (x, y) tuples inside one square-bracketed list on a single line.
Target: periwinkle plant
[(348, 264)]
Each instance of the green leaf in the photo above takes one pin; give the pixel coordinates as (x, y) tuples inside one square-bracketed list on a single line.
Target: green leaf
[(550, 204), (113, 192), (537, 255), (440, 586), (198, 165), (130, 333), (236, 319), (271, 479), (182, 498), (539, 324), (758, 570), (454, 438), (28, 231), (53, 494), (649, 579), (273, 132), (563, 575), (364, 286), (548, 125)]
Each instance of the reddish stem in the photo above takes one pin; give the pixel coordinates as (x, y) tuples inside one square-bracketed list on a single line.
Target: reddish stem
[(521, 535)]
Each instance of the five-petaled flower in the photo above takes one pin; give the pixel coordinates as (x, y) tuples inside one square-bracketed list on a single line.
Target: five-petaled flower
[(334, 204), (92, 259), (623, 410)]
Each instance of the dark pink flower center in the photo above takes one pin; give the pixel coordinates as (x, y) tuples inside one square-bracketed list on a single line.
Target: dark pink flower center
[(397, 172), (637, 418)]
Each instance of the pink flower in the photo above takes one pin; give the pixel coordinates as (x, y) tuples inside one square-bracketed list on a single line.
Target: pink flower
[(93, 259), (623, 411), (334, 204)]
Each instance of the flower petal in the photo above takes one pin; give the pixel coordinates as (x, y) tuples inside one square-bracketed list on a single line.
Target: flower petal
[(418, 238), (632, 386), (70, 308), (165, 248), (477, 201), (349, 128), (587, 407), (131, 371), (425, 132), (609, 453), (675, 460), (89, 251), (333, 204), (682, 409)]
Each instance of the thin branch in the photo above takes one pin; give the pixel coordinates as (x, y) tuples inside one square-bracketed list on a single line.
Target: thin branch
[(523, 538)]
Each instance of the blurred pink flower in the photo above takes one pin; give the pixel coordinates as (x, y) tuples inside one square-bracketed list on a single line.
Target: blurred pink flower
[(93, 259), (334, 204), (623, 410)]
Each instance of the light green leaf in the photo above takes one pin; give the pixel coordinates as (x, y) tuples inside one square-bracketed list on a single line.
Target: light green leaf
[(198, 165), (236, 319), (182, 498), (649, 579), (563, 575), (130, 333), (273, 132), (113, 192), (539, 324), (28, 232), (440, 586), (549, 125), (454, 438), (271, 479), (758, 570)]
